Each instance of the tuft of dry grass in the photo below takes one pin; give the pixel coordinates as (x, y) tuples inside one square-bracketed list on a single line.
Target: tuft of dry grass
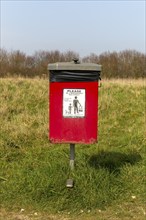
[(125, 82)]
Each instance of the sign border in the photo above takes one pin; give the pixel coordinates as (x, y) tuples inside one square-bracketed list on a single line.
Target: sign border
[(85, 104)]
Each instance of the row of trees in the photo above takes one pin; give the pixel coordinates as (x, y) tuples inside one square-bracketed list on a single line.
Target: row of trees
[(124, 64)]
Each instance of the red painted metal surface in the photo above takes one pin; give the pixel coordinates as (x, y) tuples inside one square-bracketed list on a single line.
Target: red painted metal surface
[(73, 130)]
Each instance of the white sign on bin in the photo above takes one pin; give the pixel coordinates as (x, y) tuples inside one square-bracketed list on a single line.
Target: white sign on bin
[(74, 103)]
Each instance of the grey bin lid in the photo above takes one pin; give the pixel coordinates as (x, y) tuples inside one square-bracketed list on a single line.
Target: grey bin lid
[(74, 66)]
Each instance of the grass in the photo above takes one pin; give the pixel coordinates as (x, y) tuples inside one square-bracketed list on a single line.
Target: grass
[(109, 176)]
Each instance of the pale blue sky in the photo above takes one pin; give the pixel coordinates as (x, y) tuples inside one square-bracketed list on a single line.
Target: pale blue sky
[(82, 26)]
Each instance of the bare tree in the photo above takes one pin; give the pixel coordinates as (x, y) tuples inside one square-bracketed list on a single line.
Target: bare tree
[(127, 63)]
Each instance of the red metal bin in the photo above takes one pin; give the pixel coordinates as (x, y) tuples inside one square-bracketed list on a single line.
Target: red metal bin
[(73, 102)]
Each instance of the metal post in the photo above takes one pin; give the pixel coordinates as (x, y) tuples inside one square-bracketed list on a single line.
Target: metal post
[(72, 156), (70, 182)]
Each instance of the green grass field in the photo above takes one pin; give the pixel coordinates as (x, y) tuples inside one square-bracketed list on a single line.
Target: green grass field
[(109, 176)]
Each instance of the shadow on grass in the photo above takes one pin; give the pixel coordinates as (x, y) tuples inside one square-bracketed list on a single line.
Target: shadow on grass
[(113, 161)]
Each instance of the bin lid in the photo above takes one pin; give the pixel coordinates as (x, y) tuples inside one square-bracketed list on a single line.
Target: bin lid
[(74, 65)]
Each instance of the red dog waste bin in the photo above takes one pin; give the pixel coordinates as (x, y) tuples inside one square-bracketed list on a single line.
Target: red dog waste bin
[(73, 102)]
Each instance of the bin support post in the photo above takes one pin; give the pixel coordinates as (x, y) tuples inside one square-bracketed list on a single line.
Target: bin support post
[(72, 156), (70, 182)]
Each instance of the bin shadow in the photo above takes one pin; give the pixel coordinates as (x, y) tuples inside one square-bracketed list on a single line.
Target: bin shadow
[(113, 161)]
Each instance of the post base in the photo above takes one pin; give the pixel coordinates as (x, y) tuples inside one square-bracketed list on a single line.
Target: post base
[(69, 183)]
